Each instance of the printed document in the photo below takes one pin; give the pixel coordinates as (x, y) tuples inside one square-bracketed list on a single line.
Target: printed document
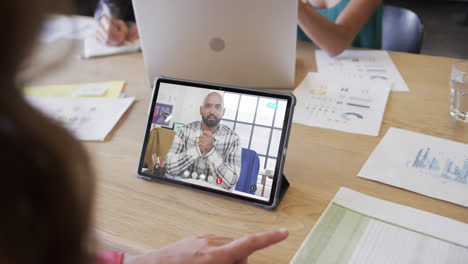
[(349, 105), (359, 229), (420, 163), (362, 64), (89, 119)]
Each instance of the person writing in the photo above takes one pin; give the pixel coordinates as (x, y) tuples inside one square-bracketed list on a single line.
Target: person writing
[(207, 147), (48, 184), (116, 22), (334, 25)]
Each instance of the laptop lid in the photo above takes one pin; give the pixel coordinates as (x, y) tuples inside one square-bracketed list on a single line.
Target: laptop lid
[(250, 43)]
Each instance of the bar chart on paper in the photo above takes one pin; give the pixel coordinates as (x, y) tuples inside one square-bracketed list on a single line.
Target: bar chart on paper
[(424, 164), (439, 165), (359, 229)]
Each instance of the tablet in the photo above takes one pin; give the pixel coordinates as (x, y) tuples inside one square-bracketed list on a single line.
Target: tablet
[(223, 140)]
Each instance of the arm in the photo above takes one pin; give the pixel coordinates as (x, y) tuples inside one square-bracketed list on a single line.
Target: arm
[(180, 157), (227, 166), (209, 249), (332, 37)]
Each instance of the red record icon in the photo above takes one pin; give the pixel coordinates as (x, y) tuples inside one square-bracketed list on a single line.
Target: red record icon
[(219, 180)]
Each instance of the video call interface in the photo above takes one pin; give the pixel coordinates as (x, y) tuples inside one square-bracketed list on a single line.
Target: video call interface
[(216, 139)]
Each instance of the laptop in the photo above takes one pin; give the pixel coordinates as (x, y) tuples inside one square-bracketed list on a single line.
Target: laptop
[(248, 43)]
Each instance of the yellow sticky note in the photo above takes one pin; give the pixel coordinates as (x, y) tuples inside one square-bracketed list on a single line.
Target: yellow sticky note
[(67, 90)]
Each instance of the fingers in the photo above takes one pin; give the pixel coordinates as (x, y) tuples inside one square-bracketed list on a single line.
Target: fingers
[(111, 33), (243, 247), (122, 27), (133, 33), (220, 241), (214, 240), (117, 32), (205, 140), (207, 133)]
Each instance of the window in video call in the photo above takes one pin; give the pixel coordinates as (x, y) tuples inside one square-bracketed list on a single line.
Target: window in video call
[(216, 139)]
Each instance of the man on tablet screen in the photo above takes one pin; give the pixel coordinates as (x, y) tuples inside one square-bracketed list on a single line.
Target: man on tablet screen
[(207, 150)]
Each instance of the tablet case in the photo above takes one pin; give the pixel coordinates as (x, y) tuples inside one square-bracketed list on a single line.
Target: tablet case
[(283, 185)]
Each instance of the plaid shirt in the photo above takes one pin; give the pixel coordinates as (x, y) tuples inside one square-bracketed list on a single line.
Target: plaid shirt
[(222, 161)]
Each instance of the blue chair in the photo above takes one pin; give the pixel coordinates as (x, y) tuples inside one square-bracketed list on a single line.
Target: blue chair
[(250, 166), (402, 30)]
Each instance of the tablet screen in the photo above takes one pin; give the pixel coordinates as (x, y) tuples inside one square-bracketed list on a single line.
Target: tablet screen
[(223, 140)]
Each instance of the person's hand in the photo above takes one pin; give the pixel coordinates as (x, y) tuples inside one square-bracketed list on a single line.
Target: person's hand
[(132, 33), (210, 249), (112, 32), (205, 143)]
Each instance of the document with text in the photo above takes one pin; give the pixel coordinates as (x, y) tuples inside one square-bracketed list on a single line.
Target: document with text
[(89, 119), (360, 229), (349, 105), (420, 163), (362, 64)]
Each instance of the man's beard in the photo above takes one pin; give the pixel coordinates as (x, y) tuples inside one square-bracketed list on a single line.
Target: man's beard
[(211, 123)]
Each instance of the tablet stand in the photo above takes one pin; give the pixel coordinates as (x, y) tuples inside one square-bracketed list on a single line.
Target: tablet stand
[(284, 187)]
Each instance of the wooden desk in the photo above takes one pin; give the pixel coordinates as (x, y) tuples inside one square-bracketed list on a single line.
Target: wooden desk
[(137, 215)]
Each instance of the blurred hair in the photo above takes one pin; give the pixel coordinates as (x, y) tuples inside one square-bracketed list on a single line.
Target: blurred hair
[(47, 182)]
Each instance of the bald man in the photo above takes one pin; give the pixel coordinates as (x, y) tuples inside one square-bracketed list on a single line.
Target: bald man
[(207, 147)]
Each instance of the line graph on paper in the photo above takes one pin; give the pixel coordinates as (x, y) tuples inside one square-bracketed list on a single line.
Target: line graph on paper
[(427, 162)]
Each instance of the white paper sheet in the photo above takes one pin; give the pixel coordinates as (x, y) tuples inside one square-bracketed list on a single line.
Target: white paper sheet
[(69, 27), (89, 119), (420, 163), (91, 90), (357, 228), (362, 64), (344, 104), (93, 48)]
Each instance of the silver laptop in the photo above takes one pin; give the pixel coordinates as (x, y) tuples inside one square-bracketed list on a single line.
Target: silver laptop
[(249, 43)]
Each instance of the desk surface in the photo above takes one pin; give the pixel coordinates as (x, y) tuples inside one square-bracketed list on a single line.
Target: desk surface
[(134, 214)]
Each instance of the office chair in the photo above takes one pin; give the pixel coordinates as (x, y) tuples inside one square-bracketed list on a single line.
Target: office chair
[(402, 30), (250, 166)]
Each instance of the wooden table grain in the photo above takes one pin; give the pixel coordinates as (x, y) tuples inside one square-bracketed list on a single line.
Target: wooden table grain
[(136, 215)]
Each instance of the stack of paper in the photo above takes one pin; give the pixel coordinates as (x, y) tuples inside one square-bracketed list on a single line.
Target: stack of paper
[(89, 111), (361, 229), (93, 48), (69, 27), (424, 164), (87, 118), (101, 89), (344, 104), (362, 64), (82, 28)]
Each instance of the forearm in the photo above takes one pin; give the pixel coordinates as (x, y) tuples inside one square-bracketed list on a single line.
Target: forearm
[(335, 36), (329, 36)]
